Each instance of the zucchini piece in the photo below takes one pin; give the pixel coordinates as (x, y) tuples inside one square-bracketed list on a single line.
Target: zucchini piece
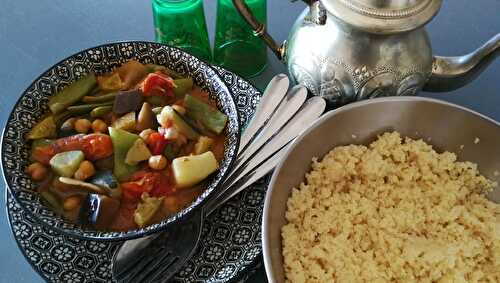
[(146, 209), (66, 163), (203, 145), (126, 122), (190, 170), (145, 118), (137, 153)]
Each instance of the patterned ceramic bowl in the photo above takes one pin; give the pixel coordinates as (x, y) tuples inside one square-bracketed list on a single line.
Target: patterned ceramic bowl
[(101, 59)]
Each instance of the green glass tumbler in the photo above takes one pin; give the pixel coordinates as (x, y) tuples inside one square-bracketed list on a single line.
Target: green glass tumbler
[(236, 46), (181, 23)]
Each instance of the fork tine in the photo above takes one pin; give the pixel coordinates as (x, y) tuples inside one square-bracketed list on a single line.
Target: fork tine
[(152, 273), (166, 272), (143, 276), (129, 274), (131, 265)]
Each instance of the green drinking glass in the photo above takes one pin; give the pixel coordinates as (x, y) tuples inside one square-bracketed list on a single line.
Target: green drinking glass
[(236, 46), (181, 23)]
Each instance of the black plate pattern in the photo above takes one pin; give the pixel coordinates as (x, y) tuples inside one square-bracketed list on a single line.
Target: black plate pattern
[(229, 251), (102, 59)]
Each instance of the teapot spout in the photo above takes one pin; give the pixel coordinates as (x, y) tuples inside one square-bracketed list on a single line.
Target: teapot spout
[(450, 73)]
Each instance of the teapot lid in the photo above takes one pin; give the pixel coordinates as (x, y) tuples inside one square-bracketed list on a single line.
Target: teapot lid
[(383, 16)]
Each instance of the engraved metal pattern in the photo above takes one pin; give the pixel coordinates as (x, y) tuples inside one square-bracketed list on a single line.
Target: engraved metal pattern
[(364, 82), (102, 59), (386, 13), (229, 250)]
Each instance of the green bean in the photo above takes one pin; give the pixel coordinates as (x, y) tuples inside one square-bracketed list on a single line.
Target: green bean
[(100, 98), (209, 116), (72, 93), (101, 111), (86, 108)]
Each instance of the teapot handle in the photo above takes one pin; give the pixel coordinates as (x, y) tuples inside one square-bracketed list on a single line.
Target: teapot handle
[(259, 28)]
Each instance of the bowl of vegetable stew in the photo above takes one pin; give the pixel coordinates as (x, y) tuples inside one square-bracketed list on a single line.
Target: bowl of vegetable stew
[(119, 141)]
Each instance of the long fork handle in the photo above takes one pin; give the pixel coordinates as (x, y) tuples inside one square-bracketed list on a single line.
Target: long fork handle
[(306, 115)]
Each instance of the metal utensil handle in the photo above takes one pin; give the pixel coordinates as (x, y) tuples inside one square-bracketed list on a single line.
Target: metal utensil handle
[(287, 108), (249, 179), (304, 117), (273, 95), (309, 112)]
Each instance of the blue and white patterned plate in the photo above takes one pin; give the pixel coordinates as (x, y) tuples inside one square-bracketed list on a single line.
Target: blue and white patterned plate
[(230, 249), (102, 59)]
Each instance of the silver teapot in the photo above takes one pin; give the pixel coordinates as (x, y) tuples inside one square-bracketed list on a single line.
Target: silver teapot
[(348, 50)]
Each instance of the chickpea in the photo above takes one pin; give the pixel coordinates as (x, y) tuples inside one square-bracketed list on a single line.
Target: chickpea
[(99, 126), (82, 125), (85, 170), (179, 109), (71, 203), (157, 162), (171, 133), (37, 171), (145, 134), (68, 125)]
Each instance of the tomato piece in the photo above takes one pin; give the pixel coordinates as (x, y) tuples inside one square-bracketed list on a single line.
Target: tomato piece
[(68, 143), (138, 175), (162, 187), (94, 146), (43, 154), (132, 191), (97, 146), (156, 143), (158, 84), (154, 183)]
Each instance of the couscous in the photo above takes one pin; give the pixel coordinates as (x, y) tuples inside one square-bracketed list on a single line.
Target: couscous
[(395, 211)]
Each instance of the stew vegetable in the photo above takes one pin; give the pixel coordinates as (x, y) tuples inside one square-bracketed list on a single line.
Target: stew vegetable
[(126, 149)]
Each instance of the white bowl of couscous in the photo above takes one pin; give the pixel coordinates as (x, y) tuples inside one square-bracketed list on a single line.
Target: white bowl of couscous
[(399, 189)]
